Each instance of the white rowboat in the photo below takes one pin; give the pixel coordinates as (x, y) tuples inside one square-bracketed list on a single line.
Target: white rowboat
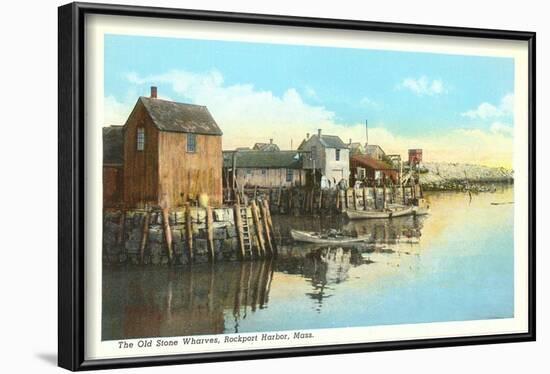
[(311, 237), (387, 213)]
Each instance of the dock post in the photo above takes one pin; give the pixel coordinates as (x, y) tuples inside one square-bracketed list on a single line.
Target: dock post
[(265, 221), (259, 230), (364, 198), (210, 233), (121, 227), (239, 227), (320, 199), (167, 232), (374, 194), (384, 196), (189, 232), (289, 199), (354, 198), (144, 236), (270, 222)]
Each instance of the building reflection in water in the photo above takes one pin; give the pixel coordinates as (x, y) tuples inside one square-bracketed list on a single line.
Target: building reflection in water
[(140, 302), (143, 302)]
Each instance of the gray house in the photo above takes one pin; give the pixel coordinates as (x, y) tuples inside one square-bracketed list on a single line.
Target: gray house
[(263, 168), (328, 158)]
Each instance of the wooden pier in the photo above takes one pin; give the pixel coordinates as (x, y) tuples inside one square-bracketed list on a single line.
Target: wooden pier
[(308, 200), (189, 234)]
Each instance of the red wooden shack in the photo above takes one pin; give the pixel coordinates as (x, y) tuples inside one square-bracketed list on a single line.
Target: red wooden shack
[(363, 167), (172, 154)]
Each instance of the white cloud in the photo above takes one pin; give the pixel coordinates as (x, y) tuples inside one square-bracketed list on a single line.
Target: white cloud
[(423, 86), (369, 103), (247, 115), (116, 112), (488, 111), (502, 129)]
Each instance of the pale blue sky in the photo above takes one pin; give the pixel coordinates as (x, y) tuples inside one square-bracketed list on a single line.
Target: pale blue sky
[(407, 94)]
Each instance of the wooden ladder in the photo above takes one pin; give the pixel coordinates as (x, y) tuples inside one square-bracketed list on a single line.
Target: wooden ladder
[(247, 240)]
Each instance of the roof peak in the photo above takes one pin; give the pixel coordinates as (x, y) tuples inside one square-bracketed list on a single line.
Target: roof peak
[(180, 117), (171, 101)]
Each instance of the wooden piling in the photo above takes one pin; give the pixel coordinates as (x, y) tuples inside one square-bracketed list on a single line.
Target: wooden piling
[(337, 200), (347, 197), (320, 199), (210, 233), (121, 227), (239, 227), (384, 193), (167, 232), (269, 221), (374, 195), (144, 236), (259, 231), (189, 232), (364, 198), (354, 199), (289, 199), (265, 221)]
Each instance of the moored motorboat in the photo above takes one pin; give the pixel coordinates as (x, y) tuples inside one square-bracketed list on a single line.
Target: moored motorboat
[(316, 238)]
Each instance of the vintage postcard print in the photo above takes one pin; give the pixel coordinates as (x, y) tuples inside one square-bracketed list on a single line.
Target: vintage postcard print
[(257, 187)]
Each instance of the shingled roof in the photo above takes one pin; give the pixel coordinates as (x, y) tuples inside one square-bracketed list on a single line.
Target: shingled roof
[(263, 160), (266, 147), (113, 145), (180, 117), (332, 141)]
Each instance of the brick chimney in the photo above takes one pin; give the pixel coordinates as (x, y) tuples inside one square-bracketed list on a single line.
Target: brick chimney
[(153, 92), (270, 141), (307, 136), (319, 132)]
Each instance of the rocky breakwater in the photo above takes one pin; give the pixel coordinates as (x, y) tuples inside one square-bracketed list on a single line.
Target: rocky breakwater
[(458, 176)]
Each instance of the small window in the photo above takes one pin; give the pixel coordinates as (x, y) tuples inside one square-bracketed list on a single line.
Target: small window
[(264, 171), (289, 175), (140, 139), (191, 143), (249, 171), (337, 155)]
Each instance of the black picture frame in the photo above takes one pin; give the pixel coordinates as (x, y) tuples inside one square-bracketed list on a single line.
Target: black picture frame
[(71, 150)]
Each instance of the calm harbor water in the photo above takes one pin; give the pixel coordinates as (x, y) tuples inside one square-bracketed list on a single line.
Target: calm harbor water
[(461, 268)]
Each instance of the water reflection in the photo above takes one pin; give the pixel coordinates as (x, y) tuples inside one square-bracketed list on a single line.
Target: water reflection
[(456, 264), (141, 302), (157, 301)]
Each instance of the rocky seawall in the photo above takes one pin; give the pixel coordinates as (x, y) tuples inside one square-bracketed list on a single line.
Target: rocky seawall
[(457, 176)]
